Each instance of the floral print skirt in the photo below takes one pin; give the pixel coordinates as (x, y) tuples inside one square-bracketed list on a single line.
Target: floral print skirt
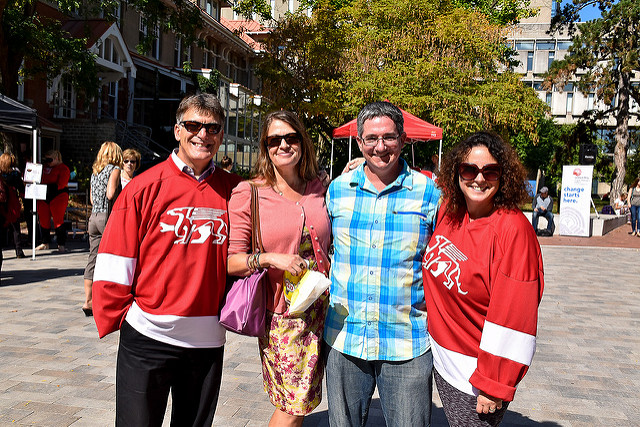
[(292, 367)]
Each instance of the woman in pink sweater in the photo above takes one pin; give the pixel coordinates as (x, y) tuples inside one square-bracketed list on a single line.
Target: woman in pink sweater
[(295, 234)]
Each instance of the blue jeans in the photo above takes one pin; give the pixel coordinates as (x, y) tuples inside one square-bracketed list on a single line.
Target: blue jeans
[(404, 387), (635, 218), (548, 215)]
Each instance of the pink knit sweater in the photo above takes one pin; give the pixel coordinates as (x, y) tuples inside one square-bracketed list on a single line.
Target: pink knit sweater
[(281, 222)]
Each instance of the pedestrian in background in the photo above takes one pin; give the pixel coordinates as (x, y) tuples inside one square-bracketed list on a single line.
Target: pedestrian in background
[(226, 163), (104, 183), (483, 276), (55, 175), (634, 206), (13, 178), (288, 187), (131, 163)]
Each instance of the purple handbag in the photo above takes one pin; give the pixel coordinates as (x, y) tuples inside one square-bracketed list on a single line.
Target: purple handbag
[(244, 310)]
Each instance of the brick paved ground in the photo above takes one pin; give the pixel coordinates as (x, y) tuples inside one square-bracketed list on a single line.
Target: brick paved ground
[(586, 372)]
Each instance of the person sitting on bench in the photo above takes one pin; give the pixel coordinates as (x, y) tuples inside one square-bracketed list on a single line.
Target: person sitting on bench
[(543, 206)]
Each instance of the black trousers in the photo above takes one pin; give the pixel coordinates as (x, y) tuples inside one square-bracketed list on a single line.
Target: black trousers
[(148, 369)]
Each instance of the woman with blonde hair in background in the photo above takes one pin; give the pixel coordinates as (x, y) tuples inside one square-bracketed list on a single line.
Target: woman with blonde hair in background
[(104, 183), (131, 163), (55, 175)]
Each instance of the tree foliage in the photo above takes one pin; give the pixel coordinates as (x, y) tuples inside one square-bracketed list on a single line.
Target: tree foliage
[(35, 46), (608, 51), (443, 62)]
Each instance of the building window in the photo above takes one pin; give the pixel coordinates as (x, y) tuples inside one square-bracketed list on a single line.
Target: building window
[(290, 6), (530, 61), (564, 45), (64, 100), (112, 100), (552, 57), (155, 46), (205, 59), (177, 53), (273, 8), (570, 103), (546, 45), (524, 45), (548, 100), (555, 5), (590, 101)]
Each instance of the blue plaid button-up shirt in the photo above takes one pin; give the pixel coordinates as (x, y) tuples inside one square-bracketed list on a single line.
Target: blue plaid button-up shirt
[(377, 307)]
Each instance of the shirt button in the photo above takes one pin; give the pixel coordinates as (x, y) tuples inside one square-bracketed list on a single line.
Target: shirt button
[(316, 239), (311, 227), (371, 273), (370, 298), (376, 221), (297, 203), (373, 246), (369, 323), (320, 262)]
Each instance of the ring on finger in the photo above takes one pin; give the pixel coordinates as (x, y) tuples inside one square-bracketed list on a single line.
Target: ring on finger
[(302, 265), (492, 410)]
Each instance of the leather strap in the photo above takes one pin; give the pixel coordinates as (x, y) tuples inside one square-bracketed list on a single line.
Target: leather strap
[(256, 235)]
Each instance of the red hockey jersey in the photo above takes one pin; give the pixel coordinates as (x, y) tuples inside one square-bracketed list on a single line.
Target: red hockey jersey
[(483, 284), (162, 260)]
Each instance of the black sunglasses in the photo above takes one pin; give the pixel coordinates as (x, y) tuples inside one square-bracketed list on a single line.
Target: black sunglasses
[(194, 127), (490, 172), (290, 138), (132, 161)]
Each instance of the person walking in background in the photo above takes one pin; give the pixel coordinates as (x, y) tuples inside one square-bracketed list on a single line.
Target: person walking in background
[(382, 214), (13, 178), (633, 202), (104, 182), (288, 187), (131, 163), (226, 163), (160, 277), (55, 175), (483, 276)]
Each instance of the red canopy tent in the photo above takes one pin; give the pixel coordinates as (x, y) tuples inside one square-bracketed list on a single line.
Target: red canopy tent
[(415, 128)]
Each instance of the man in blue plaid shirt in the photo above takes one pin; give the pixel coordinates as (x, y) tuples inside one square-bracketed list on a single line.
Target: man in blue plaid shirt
[(382, 216)]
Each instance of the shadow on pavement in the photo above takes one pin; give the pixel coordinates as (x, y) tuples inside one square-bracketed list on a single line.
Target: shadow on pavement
[(26, 276), (438, 419)]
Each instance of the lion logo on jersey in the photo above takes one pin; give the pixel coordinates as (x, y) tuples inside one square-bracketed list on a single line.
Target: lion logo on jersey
[(443, 258), (196, 225)]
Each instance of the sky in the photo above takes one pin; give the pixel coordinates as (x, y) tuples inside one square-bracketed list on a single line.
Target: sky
[(589, 13)]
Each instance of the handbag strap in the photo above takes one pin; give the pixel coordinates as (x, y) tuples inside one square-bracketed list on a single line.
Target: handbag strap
[(256, 234)]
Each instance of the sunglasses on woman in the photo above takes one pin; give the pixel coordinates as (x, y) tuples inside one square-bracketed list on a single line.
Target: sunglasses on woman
[(194, 127), (490, 172), (130, 161), (290, 138)]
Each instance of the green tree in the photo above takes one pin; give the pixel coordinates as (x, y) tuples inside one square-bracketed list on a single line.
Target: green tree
[(608, 49), (34, 46), (444, 63)]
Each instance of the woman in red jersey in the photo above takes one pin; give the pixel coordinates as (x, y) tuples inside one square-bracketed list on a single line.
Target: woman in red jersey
[(483, 279)]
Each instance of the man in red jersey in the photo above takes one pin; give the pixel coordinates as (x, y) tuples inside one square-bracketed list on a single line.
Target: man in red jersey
[(160, 277)]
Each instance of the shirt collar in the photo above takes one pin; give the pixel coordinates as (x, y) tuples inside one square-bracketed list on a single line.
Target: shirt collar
[(404, 179), (186, 169)]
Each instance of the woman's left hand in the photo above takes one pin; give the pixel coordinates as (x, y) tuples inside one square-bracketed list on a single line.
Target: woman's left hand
[(488, 404)]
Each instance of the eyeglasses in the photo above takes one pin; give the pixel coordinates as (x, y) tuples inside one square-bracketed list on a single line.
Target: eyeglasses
[(132, 161), (388, 140), (194, 127), (290, 138), (490, 172), (47, 160)]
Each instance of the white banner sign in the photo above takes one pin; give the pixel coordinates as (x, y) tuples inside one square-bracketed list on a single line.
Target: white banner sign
[(35, 191), (575, 204)]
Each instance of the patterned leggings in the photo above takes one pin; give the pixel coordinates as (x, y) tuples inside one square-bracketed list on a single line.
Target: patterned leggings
[(460, 407)]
